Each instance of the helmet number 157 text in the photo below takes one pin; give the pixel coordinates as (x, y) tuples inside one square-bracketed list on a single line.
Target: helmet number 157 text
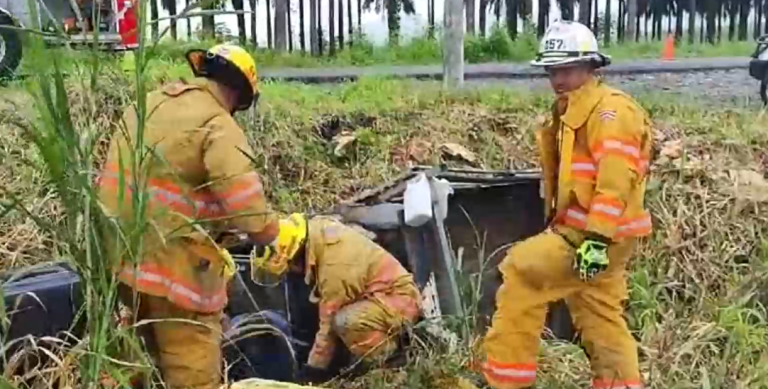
[(553, 44)]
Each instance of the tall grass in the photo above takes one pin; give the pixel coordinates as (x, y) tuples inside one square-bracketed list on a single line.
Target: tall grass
[(68, 146)]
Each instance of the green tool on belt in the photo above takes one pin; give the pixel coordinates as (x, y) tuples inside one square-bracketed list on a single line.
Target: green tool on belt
[(591, 259)]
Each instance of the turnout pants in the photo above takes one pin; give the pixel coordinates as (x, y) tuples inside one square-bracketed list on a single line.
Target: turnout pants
[(539, 270), (369, 328), (185, 345)]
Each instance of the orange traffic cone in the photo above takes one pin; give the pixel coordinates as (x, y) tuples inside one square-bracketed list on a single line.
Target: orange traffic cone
[(668, 54)]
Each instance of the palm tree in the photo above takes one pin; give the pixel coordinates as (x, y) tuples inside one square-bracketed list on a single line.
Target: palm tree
[(393, 8), (153, 14), (744, 9), (469, 10), (314, 45), (341, 24), (632, 15), (302, 35), (253, 23), (269, 25), (170, 6), (331, 32), (281, 13), (350, 25), (607, 24), (238, 5)]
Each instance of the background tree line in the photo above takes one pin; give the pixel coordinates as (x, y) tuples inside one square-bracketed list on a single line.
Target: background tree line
[(634, 20)]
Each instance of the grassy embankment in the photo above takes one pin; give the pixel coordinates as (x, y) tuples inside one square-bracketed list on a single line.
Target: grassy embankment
[(696, 285)]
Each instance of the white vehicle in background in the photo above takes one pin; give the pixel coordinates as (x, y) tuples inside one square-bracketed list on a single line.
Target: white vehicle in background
[(117, 27)]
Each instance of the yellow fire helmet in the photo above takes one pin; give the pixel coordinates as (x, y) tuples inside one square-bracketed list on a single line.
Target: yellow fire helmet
[(230, 65), (269, 268)]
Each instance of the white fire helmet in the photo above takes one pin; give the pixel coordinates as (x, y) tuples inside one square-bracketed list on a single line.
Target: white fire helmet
[(568, 42)]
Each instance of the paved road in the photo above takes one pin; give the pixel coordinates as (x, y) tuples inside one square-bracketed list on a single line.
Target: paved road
[(733, 88), (500, 70)]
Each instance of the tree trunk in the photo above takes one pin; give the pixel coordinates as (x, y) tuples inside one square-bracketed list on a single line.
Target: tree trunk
[(759, 22), (189, 22), (470, 16), (691, 21), (669, 24), (607, 24), (313, 27), (620, 22), (172, 11), (290, 26), (341, 24), (453, 48), (744, 6), (331, 28), (350, 24), (270, 41), (302, 32), (512, 18), (360, 16), (541, 24), (497, 11), (483, 18), (679, 23), (703, 28), (252, 3), (632, 21), (596, 24), (154, 14), (393, 21), (645, 26), (585, 11), (711, 26), (281, 26), (238, 5), (319, 16), (209, 23), (720, 17), (732, 11)]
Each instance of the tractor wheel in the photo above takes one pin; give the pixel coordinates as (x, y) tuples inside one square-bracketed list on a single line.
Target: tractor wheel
[(10, 48)]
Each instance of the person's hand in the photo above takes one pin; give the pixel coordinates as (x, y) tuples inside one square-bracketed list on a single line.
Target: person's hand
[(591, 258), (312, 375)]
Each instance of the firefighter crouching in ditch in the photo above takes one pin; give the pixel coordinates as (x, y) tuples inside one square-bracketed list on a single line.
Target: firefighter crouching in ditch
[(199, 184), (364, 294), (595, 155)]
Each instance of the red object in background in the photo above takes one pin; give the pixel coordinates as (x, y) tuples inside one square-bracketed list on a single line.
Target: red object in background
[(127, 22)]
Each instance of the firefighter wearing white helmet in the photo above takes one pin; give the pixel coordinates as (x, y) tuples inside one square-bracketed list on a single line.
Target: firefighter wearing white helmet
[(595, 152)]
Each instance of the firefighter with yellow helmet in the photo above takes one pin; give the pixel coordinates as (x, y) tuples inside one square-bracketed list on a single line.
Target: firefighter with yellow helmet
[(200, 184), (364, 295), (595, 153)]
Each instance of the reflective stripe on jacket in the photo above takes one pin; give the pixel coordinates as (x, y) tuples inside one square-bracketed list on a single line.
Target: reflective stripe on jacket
[(347, 267), (595, 161), (199, 183)]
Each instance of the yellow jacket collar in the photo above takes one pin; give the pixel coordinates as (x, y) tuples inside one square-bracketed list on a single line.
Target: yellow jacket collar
[(581, 102), (211, 87)]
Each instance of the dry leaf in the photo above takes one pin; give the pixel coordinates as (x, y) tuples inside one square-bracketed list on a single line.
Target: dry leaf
[(343, 141), (459, 151), (749, 185), (672, 149)]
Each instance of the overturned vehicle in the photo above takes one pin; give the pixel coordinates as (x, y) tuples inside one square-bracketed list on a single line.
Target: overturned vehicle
[(452, 246)]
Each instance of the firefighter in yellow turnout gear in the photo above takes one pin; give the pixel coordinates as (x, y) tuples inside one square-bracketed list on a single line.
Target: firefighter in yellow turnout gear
[(199, 183), (595, 157), (364, 294)]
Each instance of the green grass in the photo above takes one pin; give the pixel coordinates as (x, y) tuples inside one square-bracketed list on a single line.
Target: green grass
[(697, 285)]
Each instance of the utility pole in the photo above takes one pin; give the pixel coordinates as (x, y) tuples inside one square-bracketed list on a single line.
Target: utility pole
[(453, 49)]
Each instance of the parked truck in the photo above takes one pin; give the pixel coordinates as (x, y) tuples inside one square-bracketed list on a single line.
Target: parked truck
[(116, 28)]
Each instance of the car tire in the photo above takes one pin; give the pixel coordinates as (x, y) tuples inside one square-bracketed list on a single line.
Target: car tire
[(10, 48)]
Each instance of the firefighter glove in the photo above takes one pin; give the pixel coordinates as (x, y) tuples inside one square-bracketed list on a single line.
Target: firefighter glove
[(591, 259)]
